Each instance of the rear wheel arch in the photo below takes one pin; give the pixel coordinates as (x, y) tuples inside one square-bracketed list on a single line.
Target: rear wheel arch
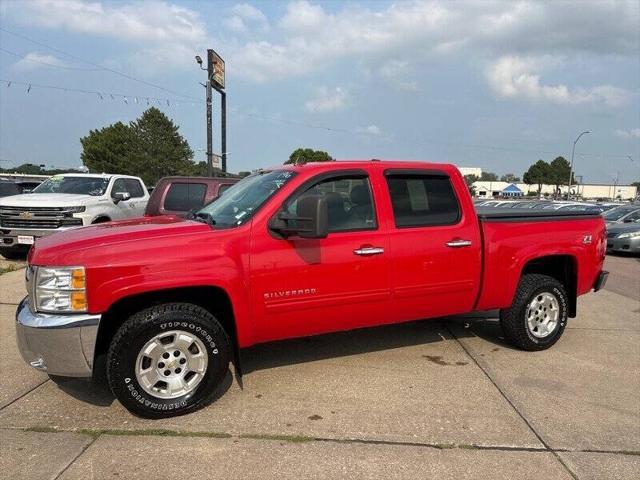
[(214, 299), (563, 268)]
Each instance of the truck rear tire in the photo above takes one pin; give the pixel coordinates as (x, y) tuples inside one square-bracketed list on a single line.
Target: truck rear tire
[(538, 314), (168, 360)]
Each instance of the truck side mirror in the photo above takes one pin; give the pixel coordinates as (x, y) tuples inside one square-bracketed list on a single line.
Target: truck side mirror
[(311, 219), (121, 197)]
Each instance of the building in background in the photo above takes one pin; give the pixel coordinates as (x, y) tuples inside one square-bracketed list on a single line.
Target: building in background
[(589, 191), (477, 171)]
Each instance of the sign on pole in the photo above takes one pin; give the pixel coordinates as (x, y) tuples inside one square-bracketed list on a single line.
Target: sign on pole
[(217, 76)]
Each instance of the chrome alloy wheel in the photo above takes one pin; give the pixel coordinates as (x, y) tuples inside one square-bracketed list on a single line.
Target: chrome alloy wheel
[(543, 313), (171, 364)]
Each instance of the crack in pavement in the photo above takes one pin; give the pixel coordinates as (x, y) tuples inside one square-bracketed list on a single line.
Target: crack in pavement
[(24, 394), (510, 402), (97, 433)]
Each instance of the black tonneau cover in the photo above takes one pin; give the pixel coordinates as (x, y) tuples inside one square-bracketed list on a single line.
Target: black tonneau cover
[(492, 214)]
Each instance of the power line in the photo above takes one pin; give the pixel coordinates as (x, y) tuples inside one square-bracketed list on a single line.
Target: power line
[(138, 99), (33, 60), (101, 67), (102, 95)]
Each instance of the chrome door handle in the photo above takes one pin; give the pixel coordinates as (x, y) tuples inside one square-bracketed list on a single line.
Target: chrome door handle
[(369, 251), (459, 243)]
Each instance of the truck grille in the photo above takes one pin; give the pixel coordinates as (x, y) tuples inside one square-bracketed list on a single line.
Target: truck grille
[(36, 217)]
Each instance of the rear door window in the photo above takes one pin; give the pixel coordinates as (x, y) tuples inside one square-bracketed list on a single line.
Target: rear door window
[(224, 187), (422, 200), (134, 187), (182, 197)]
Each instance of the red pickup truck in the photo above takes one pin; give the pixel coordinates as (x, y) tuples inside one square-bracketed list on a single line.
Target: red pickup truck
[(289, 252)]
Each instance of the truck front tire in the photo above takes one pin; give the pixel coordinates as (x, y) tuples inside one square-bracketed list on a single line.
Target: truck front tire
[(168, 360), (538, 315)]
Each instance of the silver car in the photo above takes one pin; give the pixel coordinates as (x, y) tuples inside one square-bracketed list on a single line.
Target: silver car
[(622, 214), (624, 237)]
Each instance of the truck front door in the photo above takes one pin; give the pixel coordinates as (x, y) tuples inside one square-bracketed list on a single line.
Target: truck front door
[(307, 286), (435, 248)]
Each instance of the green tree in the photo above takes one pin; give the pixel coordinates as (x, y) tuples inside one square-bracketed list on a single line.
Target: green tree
[(305, 155), (244, 174), (109, 150), (559, 172), (149, 147), (159, 150), (469, 179), (510, 178), (635, 184), (539, 173), (488, 177)]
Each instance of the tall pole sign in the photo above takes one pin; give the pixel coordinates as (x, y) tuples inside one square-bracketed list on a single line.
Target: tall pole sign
[(216, 79)]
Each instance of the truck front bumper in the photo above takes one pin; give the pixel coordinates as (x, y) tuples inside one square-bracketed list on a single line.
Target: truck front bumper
[(9, 236), (57, 344)]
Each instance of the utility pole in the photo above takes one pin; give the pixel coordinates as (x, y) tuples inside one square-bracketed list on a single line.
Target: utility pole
[(209, 129), (573, 151), (215, 79), (223, 127)]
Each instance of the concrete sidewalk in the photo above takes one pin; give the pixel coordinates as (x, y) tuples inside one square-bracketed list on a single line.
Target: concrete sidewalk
[(433, 399)]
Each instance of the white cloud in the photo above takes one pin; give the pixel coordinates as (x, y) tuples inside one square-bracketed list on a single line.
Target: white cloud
[(327, 100), (372, 130), (397, 73), (34, 60), (164, 33), (517, 77), (631, 133), (310, 38), (244, 18)]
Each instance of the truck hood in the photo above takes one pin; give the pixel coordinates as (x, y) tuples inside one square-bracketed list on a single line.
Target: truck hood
[(114, 242), (46, 200)]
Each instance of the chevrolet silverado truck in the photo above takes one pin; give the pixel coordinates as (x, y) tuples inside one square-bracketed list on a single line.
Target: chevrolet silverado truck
[(67, 201), (292, 251)]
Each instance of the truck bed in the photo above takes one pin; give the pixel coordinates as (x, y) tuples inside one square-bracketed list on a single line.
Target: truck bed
[(527, 215)]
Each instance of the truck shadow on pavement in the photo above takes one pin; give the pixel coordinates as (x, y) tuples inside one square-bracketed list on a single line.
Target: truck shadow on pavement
[(323, 347), (367, 340)]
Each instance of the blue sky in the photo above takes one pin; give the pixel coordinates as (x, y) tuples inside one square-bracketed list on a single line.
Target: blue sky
[(491, 84)]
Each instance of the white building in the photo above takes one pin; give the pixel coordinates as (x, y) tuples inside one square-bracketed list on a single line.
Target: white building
[(477, 171), (589, 191)]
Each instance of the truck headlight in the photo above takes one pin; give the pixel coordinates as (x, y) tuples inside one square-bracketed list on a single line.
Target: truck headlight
[(61, 289), (76, 209), (629, 235)]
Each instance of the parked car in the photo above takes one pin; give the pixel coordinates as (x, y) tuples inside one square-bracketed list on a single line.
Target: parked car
[(622, 214), (289, 252), (8, 188), (64, 202), (179, 195), (624, 237)]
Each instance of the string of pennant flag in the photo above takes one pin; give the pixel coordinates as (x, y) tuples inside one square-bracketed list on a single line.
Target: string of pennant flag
[(102, 95), (133, 99)]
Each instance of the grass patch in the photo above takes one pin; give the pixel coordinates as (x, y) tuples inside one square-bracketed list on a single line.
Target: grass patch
[(10, 268)]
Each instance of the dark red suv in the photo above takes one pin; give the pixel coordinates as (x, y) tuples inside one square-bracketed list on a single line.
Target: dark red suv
[(179, 195)]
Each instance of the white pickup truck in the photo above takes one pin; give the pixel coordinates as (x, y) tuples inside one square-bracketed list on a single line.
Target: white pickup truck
[(67, 201)]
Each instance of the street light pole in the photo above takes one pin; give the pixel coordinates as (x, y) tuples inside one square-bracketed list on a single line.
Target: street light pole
[(209, 131), (573, 151)]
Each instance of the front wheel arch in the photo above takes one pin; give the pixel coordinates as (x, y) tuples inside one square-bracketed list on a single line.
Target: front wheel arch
[(213, 299)]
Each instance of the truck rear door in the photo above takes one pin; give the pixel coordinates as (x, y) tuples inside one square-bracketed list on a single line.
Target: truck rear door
[(434, 244)]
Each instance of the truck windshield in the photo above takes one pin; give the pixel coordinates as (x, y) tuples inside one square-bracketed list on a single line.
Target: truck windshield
[(80, 185), (240, 202)]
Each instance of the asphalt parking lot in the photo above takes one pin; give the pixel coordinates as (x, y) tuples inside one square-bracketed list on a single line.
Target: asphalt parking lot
[(434, 399)]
